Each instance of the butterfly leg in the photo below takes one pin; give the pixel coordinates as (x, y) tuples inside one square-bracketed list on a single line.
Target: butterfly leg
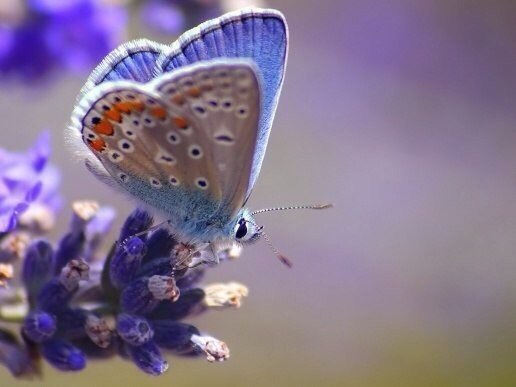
[(152, 228), (189, 256)]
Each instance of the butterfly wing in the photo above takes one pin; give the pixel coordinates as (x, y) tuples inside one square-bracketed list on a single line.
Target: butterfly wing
[(183, 143), (258, 34), (135, 60)]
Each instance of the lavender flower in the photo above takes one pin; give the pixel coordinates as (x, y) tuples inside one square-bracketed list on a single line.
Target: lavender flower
[(142, 287), (28, 188), (71, 35)]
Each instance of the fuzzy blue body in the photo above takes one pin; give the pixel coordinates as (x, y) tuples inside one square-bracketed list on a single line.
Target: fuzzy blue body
[(193, 215)]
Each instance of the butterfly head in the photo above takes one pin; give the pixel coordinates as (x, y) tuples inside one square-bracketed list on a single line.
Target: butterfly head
[(245, 230)]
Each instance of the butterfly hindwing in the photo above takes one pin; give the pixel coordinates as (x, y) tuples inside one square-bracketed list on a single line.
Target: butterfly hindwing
[(183, 143), (220, 104)]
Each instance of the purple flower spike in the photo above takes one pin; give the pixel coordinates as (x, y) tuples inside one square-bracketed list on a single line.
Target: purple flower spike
[(63, 355), (72, 301), (39, 326), (148, 358)]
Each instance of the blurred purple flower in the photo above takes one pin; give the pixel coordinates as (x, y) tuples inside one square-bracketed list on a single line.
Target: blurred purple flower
[(172, 16), (56, 34), (28, 188), (163, 16)]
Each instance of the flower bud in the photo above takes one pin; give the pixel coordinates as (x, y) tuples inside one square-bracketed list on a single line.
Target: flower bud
[(134, 330), (37, 266), (228, 295), (173, 335), (163, 288), (63, 355), (39, 326), (75, 270), (215, 350), (148, 358), (98, 331)]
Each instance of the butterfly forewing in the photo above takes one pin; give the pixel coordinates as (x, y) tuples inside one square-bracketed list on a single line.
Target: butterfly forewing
[(183, 143)]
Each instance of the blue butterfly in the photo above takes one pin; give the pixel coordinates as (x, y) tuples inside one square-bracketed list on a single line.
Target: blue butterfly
[(183, 128)]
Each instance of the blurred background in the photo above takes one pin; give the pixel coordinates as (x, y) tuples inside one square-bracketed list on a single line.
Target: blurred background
[(403, 115)]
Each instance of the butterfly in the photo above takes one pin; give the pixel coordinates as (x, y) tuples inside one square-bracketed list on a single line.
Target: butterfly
[(184, 128)]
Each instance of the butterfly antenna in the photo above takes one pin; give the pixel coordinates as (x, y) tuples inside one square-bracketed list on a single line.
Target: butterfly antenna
[(284, 260), (308, 207)]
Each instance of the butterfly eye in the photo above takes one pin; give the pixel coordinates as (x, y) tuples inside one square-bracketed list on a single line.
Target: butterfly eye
[(241, 229)]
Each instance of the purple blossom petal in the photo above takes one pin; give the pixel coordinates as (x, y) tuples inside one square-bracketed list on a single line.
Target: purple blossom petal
[(34, 192), (26, 179)]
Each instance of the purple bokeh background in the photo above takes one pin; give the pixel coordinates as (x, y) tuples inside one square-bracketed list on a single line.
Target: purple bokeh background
[(402, 114)]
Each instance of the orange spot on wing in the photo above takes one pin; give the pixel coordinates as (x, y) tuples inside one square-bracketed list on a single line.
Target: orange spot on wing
[(98, 144), (194, 92), (113, 114), (180, 122), (123, 107), (178, 99), (159, 112), (104, 127), (137, 105)]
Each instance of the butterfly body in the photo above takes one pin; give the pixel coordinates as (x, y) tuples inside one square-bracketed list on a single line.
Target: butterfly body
[(183, 129)]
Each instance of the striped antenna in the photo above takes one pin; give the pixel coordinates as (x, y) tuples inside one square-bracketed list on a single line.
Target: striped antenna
[(284, 260), (308, 207)]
